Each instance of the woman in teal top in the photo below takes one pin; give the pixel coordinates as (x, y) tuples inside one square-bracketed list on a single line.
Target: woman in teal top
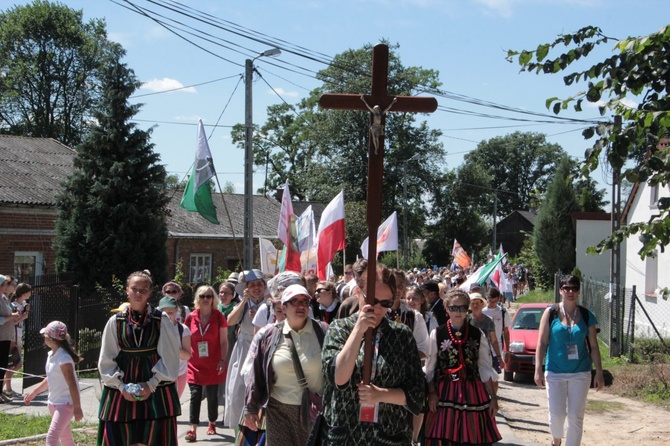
[(567, 347)]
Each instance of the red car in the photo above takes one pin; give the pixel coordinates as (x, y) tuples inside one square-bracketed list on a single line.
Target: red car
[(523, 339)]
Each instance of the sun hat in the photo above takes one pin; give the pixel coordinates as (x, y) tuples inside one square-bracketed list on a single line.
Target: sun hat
[(167, 302), (248, 276), (282, 281), (477, 296), (294, 291), (233, 278), (55, 330)]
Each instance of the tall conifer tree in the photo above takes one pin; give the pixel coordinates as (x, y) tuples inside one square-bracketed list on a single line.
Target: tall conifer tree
[(111, 213)]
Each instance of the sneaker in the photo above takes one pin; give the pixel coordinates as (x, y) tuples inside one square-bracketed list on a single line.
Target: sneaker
[(190, 436), (211, 430), (5, 399)]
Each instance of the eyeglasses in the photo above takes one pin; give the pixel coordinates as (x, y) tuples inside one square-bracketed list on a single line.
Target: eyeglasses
[(570, 288), (299, 302), (458, 308), (206, 296), (384, 303), (321, 290), (171, 291), (225, 293)]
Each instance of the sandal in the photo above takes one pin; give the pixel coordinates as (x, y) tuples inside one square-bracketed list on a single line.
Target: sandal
[(190, 436), (211, 430)]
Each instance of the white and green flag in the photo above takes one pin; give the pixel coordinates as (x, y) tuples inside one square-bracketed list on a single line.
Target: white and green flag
[(197, 195)]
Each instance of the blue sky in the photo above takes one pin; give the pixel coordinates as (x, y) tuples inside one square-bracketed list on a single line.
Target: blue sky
[(465, 40)]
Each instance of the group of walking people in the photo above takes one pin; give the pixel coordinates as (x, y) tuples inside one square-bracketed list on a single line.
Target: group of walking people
[(287, 358)]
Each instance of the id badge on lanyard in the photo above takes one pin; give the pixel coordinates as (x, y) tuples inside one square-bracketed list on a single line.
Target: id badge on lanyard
[(369, 413), (203, 347)]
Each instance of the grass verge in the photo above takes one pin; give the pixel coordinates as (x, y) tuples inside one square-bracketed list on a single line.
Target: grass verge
[(536, 296), (21, 426)]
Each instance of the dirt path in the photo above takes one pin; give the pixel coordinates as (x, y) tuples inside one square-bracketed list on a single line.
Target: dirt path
[(610, 420)]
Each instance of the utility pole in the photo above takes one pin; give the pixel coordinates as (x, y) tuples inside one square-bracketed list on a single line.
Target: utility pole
[(616, 325), (248, 252)]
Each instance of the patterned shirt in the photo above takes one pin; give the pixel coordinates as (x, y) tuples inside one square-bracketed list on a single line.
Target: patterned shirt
[(397, 366)]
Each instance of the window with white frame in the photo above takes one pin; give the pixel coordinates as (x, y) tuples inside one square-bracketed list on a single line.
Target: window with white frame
[(651, 275), (200, 270), (653, 196)]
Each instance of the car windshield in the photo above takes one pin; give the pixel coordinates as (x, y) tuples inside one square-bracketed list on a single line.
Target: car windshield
[(527, 318)]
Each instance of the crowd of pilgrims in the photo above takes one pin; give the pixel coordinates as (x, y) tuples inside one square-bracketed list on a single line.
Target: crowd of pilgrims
[(261, 346)]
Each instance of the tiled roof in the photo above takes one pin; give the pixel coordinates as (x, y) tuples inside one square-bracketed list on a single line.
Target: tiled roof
[(182, 223), (32, 169)]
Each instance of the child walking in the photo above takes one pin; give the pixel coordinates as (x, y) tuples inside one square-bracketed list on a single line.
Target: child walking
[(64, 401)]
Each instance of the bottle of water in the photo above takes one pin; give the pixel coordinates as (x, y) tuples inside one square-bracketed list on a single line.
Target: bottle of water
[(133, 389)]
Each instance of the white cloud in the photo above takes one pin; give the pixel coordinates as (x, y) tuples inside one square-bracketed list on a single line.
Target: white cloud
[(166, 84), (502, 7), (284, 93)]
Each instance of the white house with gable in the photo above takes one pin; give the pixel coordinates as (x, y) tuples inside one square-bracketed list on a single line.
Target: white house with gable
[(652, 274)]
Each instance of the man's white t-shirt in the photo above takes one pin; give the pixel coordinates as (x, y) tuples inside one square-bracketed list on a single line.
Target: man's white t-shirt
[(496, 314), (59, 392)]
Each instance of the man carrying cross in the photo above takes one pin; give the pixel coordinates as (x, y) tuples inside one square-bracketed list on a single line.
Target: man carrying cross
[(368, 359)]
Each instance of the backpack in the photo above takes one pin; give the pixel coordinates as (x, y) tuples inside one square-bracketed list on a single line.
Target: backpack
[(553, 314)]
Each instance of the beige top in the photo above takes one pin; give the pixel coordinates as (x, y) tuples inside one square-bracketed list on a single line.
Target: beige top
[(7, 327), (286, 389)]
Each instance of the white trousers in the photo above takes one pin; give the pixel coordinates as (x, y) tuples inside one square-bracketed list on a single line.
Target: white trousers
[(566, 393)]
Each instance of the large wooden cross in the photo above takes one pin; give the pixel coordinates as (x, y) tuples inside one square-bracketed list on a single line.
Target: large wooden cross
[(378, 104)]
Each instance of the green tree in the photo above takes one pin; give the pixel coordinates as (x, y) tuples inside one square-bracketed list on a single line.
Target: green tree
[(111, 210), (321, 151), (517, 165), (553, 236), (51, 76), (455, 215), (638, 70)]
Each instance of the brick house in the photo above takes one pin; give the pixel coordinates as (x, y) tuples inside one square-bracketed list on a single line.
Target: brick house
[(31, 172)]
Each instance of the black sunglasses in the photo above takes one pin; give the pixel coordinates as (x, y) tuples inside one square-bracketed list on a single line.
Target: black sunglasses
[(383, 303), (206, 296), (570, 288), (321, 290), (458, 308), (171, 291)]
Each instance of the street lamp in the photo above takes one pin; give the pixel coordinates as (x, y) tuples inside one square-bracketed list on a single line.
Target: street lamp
[(248, 252), (404, 204)]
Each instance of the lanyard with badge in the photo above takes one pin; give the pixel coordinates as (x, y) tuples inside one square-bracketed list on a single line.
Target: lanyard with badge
[(369, 413), (203, 348), (571, 346)]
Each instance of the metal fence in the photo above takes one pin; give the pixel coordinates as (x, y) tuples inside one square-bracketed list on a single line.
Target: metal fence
[(57, 297), (644, 318)]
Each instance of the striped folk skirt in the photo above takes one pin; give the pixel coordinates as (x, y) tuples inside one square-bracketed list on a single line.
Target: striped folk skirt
[(150, 422), (462, 416)]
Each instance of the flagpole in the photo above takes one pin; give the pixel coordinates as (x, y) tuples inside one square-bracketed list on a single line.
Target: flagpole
[(230, 222)]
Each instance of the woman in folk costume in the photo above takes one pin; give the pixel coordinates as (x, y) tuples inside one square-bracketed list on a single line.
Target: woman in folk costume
[(140, 347), (461, 398)]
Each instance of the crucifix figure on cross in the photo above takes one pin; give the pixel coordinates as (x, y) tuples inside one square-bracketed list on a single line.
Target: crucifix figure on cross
[(378, 104), (377, 128)]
